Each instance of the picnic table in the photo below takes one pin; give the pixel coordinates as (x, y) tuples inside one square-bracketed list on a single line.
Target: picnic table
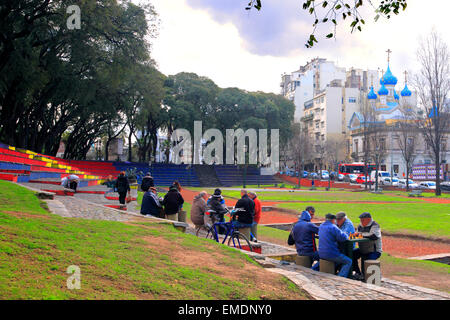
[(348, 247)]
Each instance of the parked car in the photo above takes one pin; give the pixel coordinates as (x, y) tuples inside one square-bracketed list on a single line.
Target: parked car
[(305, 174), (430, 185), (313, 175), (325, 175), (389, 181), (412, 184), (362, 180), (350, 178), (340, 177), (445, 186)]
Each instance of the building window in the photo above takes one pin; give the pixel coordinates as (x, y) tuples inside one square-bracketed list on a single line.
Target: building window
[(356, 147), (395, 168), (352, 100)]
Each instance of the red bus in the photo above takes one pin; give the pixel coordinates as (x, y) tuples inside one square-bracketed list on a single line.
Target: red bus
[(355, 168)]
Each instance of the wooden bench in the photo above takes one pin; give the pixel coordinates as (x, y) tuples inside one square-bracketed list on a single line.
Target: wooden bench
[(416, 193)]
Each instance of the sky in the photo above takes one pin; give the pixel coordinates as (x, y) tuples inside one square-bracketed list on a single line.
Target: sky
[(250, 50)]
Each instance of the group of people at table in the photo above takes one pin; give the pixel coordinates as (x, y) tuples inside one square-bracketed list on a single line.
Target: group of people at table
[(333, 235)]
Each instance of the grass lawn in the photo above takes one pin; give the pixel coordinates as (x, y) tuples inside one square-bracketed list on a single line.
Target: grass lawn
[(135, 260), (421, 218), (322, 196)]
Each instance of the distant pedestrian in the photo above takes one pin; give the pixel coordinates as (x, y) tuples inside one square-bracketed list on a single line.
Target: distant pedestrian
[(257, 216), (147, 182), (123, 186)]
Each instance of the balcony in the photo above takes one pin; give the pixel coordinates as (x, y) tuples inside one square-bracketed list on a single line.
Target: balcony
[(309, 117)]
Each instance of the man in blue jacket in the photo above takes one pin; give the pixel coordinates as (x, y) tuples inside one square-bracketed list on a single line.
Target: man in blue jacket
[(303, 235), (150, 203), (329, 237)]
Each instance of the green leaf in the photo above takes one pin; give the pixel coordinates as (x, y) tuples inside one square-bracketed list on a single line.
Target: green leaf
[(329, 35)]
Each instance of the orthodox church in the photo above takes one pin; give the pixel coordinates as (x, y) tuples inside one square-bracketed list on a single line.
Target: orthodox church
[(386, 102)]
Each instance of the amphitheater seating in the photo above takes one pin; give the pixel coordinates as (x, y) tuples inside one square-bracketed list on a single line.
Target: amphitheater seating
[(21, 165), (230, 175)]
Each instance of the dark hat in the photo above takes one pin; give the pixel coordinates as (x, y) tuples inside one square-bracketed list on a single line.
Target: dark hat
[(365, 215), (217, 192), (330, 216)]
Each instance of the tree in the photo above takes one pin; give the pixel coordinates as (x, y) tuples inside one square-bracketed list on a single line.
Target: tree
[(407, 139), (300, 147), (330, 12), (432, 84)]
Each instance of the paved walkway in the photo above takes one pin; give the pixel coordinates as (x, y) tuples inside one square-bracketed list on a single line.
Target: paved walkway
[(319, 285)]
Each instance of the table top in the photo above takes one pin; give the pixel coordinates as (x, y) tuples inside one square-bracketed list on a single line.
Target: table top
[(358, 240)]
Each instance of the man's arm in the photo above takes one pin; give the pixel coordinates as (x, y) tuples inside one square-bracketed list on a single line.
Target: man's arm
[(374, 233), (340, 236)]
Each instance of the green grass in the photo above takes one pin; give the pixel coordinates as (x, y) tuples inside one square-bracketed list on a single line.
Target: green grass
[(117, 260), (430, 266), (421, 218)]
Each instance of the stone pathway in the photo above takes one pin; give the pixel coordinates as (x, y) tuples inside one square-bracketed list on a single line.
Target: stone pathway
[(319, 285)]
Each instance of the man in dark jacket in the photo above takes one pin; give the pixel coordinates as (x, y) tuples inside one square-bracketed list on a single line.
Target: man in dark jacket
[(147, 182), (246, 211), (216, 203), (172, 203), (150, 203), (329, 237), (303, 235), (122, 187)]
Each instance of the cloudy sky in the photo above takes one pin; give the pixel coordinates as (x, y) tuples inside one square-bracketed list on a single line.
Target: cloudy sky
[(250, 49)]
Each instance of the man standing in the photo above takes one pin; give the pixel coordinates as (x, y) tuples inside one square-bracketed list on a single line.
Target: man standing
[(329, 237), (246, 211), (122, 187), (150, 203), (303, 235), (147, 182), (372, 249), (173, 200), (257, 215), (198, 209)]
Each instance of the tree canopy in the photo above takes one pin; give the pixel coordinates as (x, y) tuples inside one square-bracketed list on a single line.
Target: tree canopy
[(332, 11)]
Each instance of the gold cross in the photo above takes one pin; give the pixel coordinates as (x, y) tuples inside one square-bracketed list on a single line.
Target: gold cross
[(406, 73), (389, 54)]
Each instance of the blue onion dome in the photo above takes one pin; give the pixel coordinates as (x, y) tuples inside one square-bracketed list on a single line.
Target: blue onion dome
[(406, 92), (396, 96), (383, 91), (372, 95), (388, 78)]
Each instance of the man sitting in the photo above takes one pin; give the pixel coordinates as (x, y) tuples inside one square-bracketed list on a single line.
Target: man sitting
[(173, 201), (198, 209), (216, 203), (370, 250), (329, 237), (147, 182), (246, 212), (70, 182), (303, 235), (150, 203)]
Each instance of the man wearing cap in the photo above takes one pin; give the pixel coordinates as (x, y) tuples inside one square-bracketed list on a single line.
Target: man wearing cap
[(303, 235), (372, 249), (216, 203), (150, 203), (329, 237), (345, 224), (257, 215)]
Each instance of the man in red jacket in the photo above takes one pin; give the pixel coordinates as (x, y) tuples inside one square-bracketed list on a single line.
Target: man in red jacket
[(257, 215)]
